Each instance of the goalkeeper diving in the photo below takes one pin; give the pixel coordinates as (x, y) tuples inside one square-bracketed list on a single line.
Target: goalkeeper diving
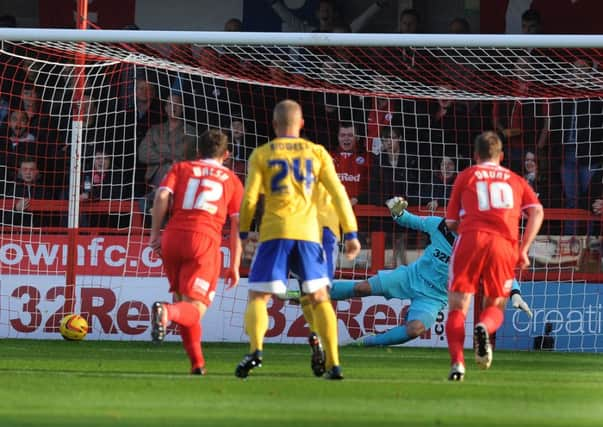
[(424, 282)]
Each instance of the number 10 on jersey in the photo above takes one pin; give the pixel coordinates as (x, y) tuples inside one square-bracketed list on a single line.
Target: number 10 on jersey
[(497, 195)]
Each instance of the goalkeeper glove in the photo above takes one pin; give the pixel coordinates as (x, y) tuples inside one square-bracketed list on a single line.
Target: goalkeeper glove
[(397, 206), (520, 304)]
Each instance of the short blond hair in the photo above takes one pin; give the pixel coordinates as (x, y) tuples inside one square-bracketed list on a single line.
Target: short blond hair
[(287, 113)]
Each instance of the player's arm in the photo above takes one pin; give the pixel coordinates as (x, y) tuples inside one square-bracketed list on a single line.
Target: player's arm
[(454, 204), (328, 177), (253, 186), (161, 205), (427, 224), (232, 276), (535, 217)]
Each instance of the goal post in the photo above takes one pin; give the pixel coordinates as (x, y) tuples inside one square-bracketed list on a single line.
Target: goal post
[(412, 103)]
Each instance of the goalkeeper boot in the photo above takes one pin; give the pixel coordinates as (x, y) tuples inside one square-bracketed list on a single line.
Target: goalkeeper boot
[(457, 372), (318, 355), (250, 361), (334, 373), (158, 322), (483, 349)]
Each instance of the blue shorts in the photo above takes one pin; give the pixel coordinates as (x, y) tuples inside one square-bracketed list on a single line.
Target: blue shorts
[(274, 259), (403, 283), (329, 244)]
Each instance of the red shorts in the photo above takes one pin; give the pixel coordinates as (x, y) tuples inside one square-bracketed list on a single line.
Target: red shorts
[(192, 264), (483, 257)]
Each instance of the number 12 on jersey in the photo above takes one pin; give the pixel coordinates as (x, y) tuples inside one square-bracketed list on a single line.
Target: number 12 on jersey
[(211, 191), (497, 195)]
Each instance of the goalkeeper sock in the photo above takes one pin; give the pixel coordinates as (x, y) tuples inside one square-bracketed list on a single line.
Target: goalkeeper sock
[(191, 340), (492, 317), (256, 323), (455, 333), (306, 306), (342, 289), (325, 321), (397, 335), (183, 313)]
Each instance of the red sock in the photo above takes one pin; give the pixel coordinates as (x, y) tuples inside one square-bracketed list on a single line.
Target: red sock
[(492, 317), (191, 340), (184, 313), (455, 333)]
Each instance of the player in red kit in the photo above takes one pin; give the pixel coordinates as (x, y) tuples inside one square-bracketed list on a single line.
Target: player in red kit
[(201, 193), (486, 204)]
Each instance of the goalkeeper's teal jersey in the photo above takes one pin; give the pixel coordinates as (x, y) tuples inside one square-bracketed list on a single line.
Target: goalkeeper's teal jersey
[(432, 266)]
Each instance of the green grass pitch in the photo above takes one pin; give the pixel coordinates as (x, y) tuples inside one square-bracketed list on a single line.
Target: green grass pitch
[(92, 383)]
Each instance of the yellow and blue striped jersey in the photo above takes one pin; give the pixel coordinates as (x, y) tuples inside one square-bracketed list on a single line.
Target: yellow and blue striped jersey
[(289, 171)]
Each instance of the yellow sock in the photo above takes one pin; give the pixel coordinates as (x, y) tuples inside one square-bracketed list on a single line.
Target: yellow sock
[(306, 306), (325, 322), (256, 323)]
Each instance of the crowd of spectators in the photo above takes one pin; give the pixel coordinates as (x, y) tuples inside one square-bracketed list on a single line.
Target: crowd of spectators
[(135, 124)]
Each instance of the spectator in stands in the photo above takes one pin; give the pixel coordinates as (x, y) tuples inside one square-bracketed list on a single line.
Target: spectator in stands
[(164, 145), (38, 114), (530, 22), (351, 163), (410, 21), (522, 124), (233, 24), (144, 114), (531, 170), (102, 182), (16, 141), (437, 194), (387, 167), (389, 170), (576, 140), (329, 17), (459, 25), (539, 184), (381, 112), (27, 186), (240, 147), (459, 124)]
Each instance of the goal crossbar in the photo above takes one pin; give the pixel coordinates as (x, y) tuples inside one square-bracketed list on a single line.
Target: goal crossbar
[(306, 39)]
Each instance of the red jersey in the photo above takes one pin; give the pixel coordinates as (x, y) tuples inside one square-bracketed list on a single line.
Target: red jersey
[(490, 198), (352, 170), (204, 193)]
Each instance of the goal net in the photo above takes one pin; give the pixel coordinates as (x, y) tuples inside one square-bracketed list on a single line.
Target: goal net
[(109, 118)]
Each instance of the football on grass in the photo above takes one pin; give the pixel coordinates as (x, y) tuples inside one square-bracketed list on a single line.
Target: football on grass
[(73, 327)]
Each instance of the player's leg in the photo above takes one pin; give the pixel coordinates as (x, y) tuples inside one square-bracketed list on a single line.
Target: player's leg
[(380, 284), (390, 284), (465, 267), (267, 276), (318, 358), (497, 281), (345, 289), (420, 317), (310, 264), (198, 274), (191, 331)]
